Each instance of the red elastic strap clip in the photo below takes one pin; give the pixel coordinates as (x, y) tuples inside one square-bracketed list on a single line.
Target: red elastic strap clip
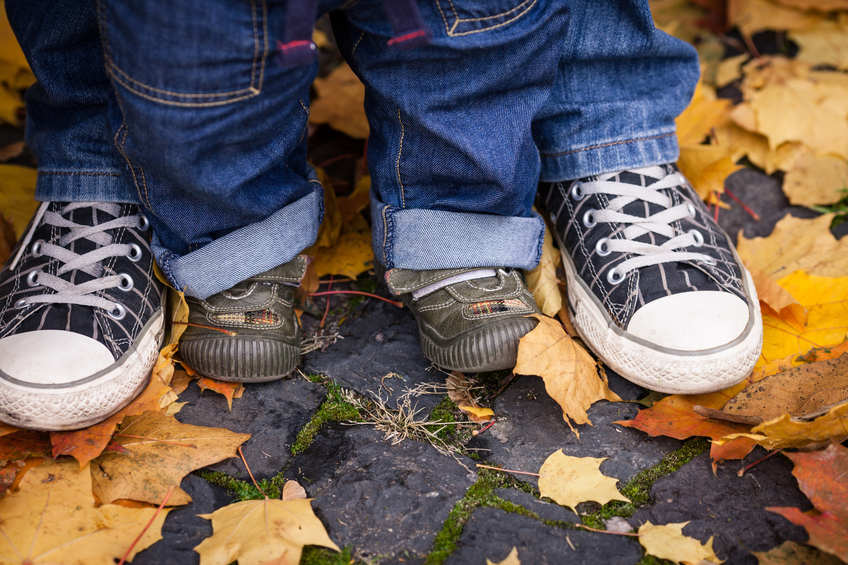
[(407, 37)]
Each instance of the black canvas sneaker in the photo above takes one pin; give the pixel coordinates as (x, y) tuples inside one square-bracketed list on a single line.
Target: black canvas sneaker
[(81, 318), (655, 287), (468, 319), (249, 333)]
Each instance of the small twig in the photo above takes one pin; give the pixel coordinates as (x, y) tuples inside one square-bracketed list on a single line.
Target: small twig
[(744, 206), (327, 309), (222, 330), (169, 442), (398, 304), (605, 531), (480, 431), (249, 472), (332, 280), (757, 462), (508, 470), (752, 49), (149, 523)]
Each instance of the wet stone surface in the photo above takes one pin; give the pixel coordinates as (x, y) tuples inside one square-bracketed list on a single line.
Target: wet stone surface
[(272, 413), (530, 428), (730, 507), (382, 340), (183, 529), (383, 499), (545, 510), (491, 534)]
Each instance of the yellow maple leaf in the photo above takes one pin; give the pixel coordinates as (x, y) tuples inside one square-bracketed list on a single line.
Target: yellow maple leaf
[(572, 480), (786, 432), (53, 518), (797, 244), (17, 195), (570, 374), (730, 69), (816, 179), (511, 559), (820, 5), (824, 43), (254, 532), (542, 281), (776, 301), (340, 103), (707, 167), (668, 542), (826, 302), (704, 112), (161, 452), (751, 16)]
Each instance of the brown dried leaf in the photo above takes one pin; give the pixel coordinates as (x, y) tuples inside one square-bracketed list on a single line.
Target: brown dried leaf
[(776, 301), (459, 391), (12, 151), (227, 389), (816, 179), (340, 103), (751, 16), (570, 374), (791, 553), (292, 491)]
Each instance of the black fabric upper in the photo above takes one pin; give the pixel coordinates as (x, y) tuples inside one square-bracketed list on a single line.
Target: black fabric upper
[(141, 302), (646, 284)]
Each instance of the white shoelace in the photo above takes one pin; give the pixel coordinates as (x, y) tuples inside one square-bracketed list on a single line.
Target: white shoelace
[(659, 223), (91, 263)]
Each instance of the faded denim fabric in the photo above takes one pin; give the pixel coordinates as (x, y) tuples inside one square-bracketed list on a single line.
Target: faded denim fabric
[(182, 108)]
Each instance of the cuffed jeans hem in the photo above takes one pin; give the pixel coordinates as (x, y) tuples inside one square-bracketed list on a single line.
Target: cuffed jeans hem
[(246, 252), (433, 239), (84, 186), (610, 157)]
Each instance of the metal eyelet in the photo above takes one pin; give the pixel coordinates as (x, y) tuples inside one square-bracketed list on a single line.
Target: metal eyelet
[(613, 277), (36, 248), (127, 282), (32, 278), (699, 239), (576, 191), (553, 218), (143, 222), (21, 304), (709, 261), (602, 248), (691, 209), (588, 219), (135, 253), (118, 312)]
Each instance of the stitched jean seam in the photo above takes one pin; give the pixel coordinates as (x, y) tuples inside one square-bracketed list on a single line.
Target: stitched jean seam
[(451, 29), (601, 146), (259, 56)]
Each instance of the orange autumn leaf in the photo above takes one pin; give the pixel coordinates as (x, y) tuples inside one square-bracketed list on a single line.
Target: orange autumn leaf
[(229, 390), (821, 476), (675, 417)]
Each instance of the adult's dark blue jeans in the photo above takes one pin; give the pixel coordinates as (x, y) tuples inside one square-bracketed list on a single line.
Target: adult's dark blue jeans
[(182, 107)]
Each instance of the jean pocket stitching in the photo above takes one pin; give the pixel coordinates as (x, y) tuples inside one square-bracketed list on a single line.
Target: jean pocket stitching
[(522, 9), (260, 56)]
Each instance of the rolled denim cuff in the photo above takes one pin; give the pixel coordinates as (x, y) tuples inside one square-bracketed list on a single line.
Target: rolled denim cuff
[(609, 157), (433, 239), (246, 252), (84, 186)]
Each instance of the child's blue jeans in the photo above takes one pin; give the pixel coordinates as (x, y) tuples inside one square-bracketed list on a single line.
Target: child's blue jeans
[(182, 108)]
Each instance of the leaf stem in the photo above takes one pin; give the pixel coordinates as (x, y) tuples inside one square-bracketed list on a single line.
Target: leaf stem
[(327, 309), (398, 304), (744, 206), (222, 330), (149, 523), (192, 446), (757, 462), (508, 470), (249, 472)]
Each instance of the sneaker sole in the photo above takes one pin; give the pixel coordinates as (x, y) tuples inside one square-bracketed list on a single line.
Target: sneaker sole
[(240, 360), (684, 372), (87, 402), (491, 348)]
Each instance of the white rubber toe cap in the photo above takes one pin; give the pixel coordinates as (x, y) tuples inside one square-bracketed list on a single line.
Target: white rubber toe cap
[(691, 321), (48, 357)]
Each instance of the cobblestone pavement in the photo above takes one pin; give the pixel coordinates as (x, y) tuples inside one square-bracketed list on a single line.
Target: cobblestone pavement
[(404, 501)]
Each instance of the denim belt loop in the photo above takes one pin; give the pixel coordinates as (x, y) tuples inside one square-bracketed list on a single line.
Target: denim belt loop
[(298, 47), (408, 27)]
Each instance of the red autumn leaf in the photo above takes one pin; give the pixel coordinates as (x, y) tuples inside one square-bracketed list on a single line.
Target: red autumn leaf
[(821, 476), (24, 443)]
